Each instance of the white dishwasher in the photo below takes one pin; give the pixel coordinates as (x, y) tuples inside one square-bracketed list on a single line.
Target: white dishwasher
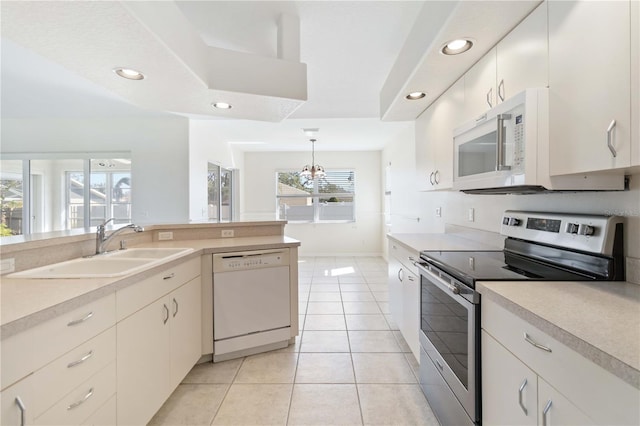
[(251, 302)]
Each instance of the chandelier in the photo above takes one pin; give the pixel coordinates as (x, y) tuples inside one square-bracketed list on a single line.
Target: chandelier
[(311, 171)]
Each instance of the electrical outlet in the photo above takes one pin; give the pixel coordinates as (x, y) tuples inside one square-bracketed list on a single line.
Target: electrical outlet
[(163, 236), (226, 233), (471, 215), (438, 211), (7, 265)]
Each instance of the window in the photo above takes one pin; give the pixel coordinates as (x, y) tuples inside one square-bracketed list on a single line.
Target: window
[(220, 193), (326, 199)]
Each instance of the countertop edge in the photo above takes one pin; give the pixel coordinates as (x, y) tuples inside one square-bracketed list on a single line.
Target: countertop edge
[(599, 357), (23, 323)]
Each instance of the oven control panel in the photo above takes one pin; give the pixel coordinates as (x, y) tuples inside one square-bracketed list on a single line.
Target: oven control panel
[(592, 233)]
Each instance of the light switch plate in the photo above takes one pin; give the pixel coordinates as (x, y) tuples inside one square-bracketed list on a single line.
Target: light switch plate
[(438, 211), (7, 265), (163, 236), (471, 215)]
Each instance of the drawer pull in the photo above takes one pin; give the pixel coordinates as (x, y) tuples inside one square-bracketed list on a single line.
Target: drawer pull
[(545, 411), (537, 345), (23, 410), (81, 360), (520, 391), (175, 304), (82, 401), (166, 311), (168, 277), (80, 321)]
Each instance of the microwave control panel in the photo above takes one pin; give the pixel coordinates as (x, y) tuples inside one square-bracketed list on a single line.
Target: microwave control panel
[(518, 142)]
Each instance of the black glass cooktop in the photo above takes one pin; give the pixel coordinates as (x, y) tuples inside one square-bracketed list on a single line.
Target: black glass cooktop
[(472, 266)]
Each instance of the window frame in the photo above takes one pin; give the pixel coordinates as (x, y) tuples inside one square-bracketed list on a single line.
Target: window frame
[(316, 196)]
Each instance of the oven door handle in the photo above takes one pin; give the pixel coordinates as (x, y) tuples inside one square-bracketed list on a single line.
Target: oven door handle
[(440, 283)]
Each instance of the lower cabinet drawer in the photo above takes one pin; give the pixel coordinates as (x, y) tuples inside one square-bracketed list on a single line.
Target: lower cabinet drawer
[(79, 404), (105, 415), (76, 366)]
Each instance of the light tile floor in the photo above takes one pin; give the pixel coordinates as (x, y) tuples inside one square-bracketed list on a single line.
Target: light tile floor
[(349, 365)]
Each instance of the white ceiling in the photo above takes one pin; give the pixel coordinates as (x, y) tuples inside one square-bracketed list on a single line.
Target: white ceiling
[(58, 63)]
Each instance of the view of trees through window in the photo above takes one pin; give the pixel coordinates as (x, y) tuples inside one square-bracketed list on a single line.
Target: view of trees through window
[(323, 199)]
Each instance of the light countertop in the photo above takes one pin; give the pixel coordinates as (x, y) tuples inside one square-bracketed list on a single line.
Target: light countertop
[(599, 320), (449, 241), (27, 302)]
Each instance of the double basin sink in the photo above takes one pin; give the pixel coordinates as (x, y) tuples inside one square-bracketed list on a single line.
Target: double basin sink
[(112, 264)]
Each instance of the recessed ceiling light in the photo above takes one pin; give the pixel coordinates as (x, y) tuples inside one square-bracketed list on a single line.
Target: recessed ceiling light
[(129, 74), (221, 105), (455, 47), (415, 95)]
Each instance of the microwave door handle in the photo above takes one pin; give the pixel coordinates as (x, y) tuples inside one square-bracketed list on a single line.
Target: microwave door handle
[(501, 142)]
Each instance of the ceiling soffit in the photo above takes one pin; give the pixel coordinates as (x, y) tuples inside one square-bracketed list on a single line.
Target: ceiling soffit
[(183, 74)]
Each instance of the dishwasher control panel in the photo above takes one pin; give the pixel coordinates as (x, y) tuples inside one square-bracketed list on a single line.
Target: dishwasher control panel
[(225, 262)]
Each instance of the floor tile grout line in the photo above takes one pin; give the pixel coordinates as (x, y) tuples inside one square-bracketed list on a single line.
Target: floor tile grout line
[(226, 393)]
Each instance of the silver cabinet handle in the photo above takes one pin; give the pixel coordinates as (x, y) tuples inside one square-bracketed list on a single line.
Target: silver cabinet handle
[(400, 273), (431, 179), (501, 142), (80, 321), (175, 304), (520, 391), (82, 401), (545, 411), (23, 410), (489, 96), (610, 138), (168, 277), (411, 278), (501, 90), (166, 311), (81, 360), (436, 177), (537, 345)]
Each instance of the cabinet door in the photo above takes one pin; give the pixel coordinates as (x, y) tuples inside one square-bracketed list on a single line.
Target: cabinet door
[(425, 159), (509, 387), (11, 413), (395, 287), (479, 87), (555, 409), (144, 360), (446, 117), (186, 332), (411, 311), (521, 57), (589, 85)]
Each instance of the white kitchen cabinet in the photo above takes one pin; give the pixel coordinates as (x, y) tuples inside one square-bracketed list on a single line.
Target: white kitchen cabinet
[(589, 86), (522, 56), (404, 293), (480, 87), (185, 329), (434, 139), (580, 391), (509, 388), (156, 348), (16, 403)]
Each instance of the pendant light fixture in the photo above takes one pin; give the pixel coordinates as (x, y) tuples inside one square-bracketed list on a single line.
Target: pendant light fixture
[(311, 171)]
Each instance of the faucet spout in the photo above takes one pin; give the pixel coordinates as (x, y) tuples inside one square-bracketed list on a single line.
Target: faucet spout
[(102, 240)]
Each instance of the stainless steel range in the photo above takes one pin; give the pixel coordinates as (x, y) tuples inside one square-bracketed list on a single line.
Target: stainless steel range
[(539, 246)]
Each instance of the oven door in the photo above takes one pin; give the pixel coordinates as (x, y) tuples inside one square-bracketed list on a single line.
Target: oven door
[(449, 335)]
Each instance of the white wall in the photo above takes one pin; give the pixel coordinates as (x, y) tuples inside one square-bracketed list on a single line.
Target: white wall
[(323, 239), (159, 155), (205, 146)]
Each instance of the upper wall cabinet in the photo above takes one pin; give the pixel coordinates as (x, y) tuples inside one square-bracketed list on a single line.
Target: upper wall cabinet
[(517, 62), (589, 86), (434, 139)]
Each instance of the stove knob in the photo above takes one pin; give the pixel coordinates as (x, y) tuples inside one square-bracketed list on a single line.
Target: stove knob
[(586, 230), (572, 228), (514, 221)]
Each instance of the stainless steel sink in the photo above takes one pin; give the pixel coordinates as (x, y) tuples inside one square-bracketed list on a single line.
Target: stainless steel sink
[(112, 264)]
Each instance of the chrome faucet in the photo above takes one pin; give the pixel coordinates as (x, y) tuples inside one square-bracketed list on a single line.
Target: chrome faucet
[(102, 240)]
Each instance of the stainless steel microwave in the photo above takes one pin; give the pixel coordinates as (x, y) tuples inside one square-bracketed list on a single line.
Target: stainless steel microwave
[(506, 150)]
